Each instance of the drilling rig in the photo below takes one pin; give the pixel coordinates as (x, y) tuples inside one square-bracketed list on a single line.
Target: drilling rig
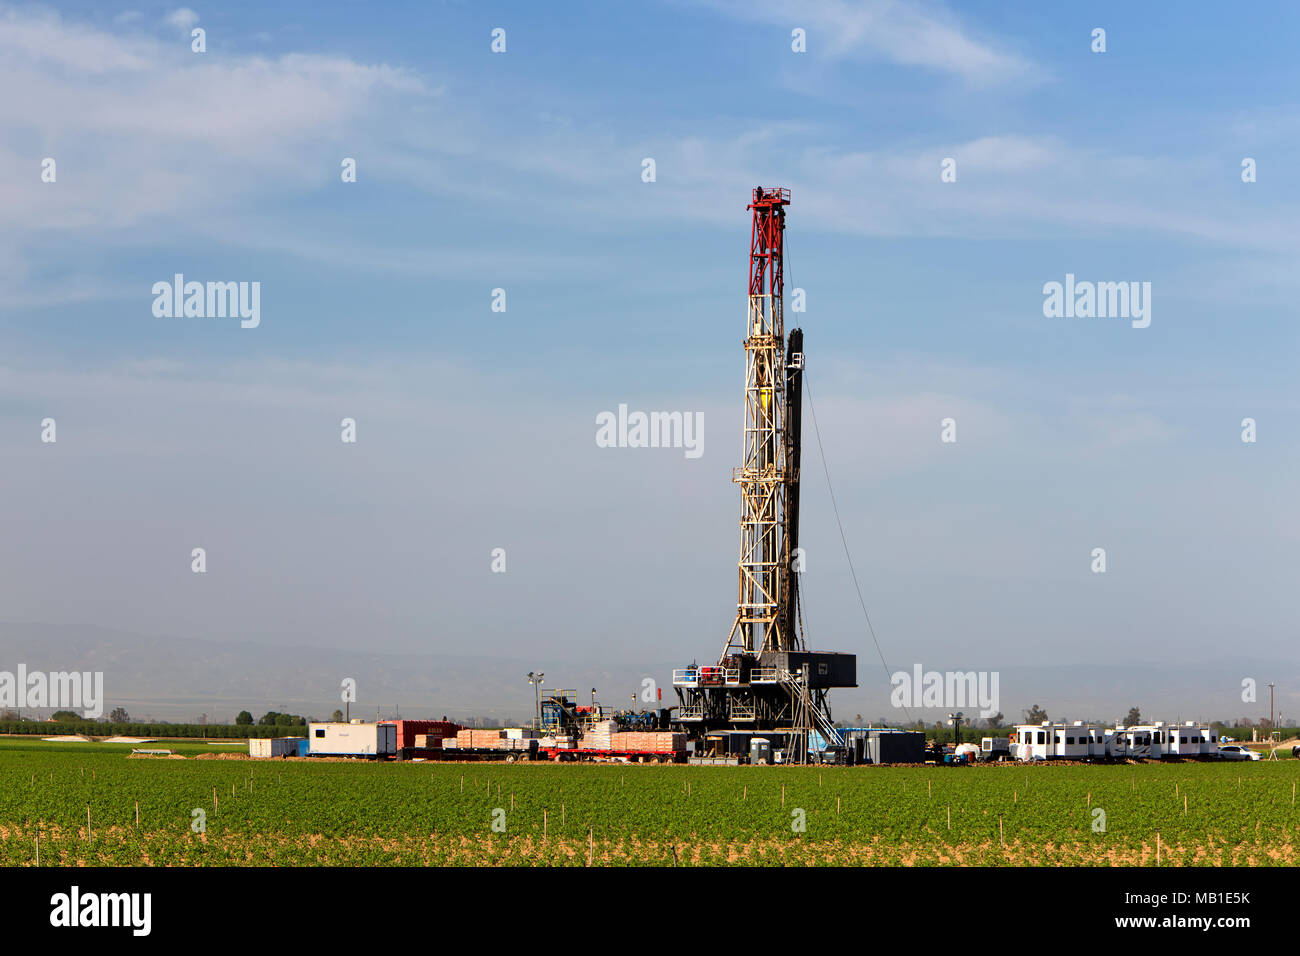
[(766, 681)]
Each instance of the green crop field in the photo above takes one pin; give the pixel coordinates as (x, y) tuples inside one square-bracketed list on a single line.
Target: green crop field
[(207, 811)]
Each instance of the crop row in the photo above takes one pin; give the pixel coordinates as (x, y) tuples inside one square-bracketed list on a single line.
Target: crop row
[(215, 810)]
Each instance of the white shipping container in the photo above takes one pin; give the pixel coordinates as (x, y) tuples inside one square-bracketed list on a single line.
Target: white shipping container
[(354, 740), (273, 746)]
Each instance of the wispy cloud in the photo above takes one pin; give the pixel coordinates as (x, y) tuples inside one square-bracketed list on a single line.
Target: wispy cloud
[(183, 19), (142, 129), (146, 132), (924, 35)]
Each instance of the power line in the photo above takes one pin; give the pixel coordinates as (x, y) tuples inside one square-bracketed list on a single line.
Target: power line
[(843, 539)]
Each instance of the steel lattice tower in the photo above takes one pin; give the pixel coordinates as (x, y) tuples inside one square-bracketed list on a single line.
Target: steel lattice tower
[(765, 607), (765, 680)]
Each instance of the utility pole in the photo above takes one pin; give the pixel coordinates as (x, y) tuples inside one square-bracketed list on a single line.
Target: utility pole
[(1271, 725)]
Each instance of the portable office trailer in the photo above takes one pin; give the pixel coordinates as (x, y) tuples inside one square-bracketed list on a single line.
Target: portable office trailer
[(353, 740)]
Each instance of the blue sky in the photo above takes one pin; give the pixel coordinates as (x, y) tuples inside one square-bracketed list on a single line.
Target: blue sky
[(522, 171)]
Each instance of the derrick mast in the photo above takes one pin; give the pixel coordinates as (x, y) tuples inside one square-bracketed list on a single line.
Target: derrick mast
[(765, 607), (765, 681)]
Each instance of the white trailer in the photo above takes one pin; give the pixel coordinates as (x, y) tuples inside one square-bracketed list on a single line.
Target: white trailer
[(1114, 744), (355, 739), (1057, 741), (1097, 742), (273, 746), (1032, 741), (1210, 742), (1072, 741), (1145, 741), (1193, 740)]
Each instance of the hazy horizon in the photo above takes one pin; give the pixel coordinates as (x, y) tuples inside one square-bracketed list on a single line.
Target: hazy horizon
[(501, 272)]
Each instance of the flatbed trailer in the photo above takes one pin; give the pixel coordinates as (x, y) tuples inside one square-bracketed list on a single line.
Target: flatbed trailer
[(467, 754), (624, 756)]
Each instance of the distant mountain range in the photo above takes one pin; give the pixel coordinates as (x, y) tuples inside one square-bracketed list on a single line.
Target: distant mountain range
[(174, 679), (177, 679)]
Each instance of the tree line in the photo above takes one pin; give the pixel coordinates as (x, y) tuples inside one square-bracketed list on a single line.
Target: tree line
[(119, 723)]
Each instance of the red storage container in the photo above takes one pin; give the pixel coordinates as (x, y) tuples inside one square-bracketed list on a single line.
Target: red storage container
[(409, 730)]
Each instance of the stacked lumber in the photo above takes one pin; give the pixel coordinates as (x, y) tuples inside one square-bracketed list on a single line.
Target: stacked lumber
[(649, 741), (481, 739)]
